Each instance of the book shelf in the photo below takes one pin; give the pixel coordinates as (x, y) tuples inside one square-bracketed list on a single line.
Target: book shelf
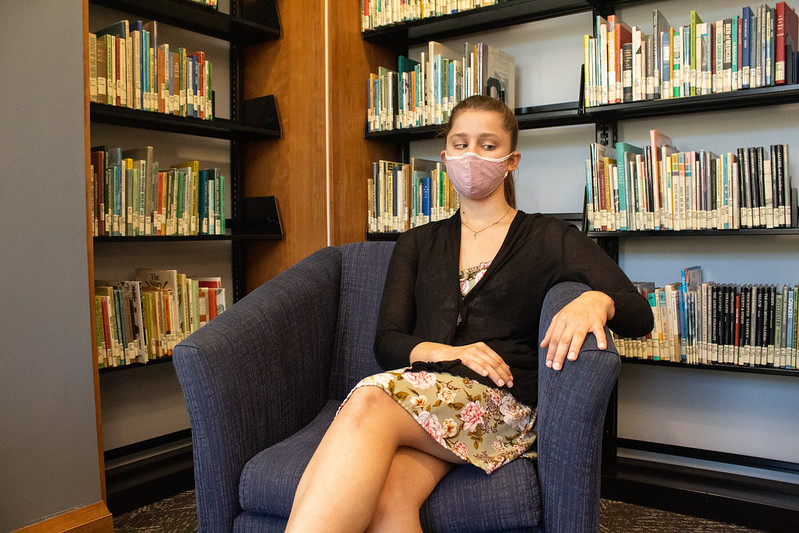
[(251, 219), (218, 128), (531, 117), (645, 482), (207, 20)]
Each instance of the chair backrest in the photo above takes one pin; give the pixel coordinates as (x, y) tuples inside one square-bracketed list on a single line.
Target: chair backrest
[(363, 274)]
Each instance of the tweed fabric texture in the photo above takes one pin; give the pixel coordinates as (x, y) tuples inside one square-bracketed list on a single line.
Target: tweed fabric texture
[(468, 499), (255, 375), (571, 410), (269, 479), (258, 523), (363, 275)]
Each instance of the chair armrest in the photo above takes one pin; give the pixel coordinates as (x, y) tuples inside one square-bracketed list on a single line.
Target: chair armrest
[(571, 409), (256, 374)]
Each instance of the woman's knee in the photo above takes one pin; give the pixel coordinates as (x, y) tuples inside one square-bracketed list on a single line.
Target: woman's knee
[(365, 404)]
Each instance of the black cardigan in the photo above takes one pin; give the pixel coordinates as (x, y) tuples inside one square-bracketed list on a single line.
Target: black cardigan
[(422, 300)]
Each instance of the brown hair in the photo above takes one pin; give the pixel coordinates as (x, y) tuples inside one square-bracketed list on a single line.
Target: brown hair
[(509, 123)]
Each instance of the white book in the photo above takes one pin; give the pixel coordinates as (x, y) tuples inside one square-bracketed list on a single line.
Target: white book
[(768, 209), (638, 80), (602, 53)]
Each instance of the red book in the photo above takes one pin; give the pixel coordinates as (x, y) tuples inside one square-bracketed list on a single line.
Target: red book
[(211, 304), (621, 34), (211, 283), (787, 25)]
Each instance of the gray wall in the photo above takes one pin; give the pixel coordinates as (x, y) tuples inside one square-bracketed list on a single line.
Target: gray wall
[(48, 437)]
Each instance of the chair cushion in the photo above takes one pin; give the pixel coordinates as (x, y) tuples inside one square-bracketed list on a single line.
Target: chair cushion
[(270, 478), (467, 499)]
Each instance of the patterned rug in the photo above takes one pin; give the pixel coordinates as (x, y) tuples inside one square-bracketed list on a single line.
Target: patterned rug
[(178, 515)]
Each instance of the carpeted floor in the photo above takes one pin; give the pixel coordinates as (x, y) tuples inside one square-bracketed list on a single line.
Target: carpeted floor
[(178, 515)]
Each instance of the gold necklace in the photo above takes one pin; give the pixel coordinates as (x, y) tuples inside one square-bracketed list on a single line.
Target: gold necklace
[(489, 226)]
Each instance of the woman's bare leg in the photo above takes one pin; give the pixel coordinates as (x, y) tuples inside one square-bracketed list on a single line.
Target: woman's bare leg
[(341, 487), (412, 477)]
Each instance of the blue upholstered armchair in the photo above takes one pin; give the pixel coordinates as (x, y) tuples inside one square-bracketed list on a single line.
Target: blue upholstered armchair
[(263, 381)]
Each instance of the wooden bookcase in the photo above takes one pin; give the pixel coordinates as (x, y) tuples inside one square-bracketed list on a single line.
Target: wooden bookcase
[(718, 495), (318, 169), (250, 219)]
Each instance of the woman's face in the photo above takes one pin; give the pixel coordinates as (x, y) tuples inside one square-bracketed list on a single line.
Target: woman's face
[(482, 133)]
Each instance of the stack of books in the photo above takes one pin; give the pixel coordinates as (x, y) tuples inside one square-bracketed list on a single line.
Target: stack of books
[(377, 13), (141, 320), (132, 197), (423, 92), (710, 323), (129, 67), (402, 196), (657, 187), (756, 48)]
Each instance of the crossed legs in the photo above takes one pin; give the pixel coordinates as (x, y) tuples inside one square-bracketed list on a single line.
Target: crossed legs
[(373, 470)]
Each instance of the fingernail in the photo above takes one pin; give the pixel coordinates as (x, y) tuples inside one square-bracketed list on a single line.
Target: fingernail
[(549, 364), (500, 383), (484, 372), (510, 384), (556, 366), (601, 345), (572, 356)]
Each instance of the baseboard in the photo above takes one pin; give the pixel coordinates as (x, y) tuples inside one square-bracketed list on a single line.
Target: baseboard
[(94, 518), (148, 472), (751, 502)]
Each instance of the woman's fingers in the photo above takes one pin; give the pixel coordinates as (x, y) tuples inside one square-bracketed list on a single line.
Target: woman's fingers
[(567, 331), (557, 341), (486, 362)]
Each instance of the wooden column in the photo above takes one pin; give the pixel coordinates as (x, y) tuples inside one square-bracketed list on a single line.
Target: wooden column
[(315, 141), (351, 61), (291, 168)]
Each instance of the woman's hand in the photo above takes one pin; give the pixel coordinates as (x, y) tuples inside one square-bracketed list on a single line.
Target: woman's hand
[(588, 313), (478, 357)]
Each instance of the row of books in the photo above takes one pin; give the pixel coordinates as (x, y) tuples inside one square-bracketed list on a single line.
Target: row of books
[(143, 319), (424, 91), (376, 13), (754, 49), (129, 67), (657, 187), (210, 3), (405, 195), (132, 196), (709, 323)]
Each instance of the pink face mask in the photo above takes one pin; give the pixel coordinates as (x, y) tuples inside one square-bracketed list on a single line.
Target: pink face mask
[(475, 176)]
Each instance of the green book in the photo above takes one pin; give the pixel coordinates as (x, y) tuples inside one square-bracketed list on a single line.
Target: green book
[(694, 21)]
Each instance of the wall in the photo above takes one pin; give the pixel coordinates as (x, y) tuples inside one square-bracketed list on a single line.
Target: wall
[(48, 435)]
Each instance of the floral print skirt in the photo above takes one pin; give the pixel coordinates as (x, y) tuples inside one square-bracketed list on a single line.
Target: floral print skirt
[(485, 426)]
